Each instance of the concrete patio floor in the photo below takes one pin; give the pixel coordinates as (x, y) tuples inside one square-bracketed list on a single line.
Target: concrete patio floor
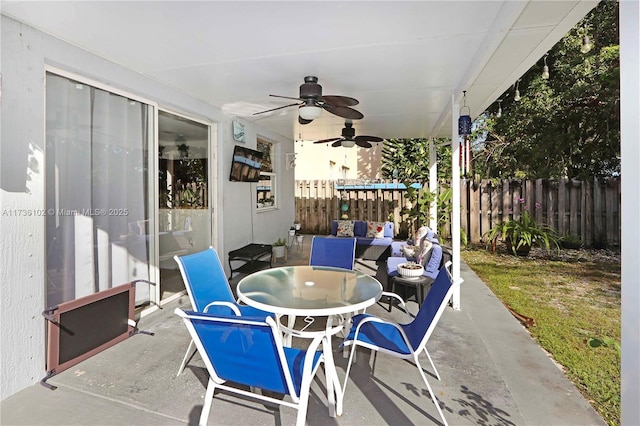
[(493, 373)]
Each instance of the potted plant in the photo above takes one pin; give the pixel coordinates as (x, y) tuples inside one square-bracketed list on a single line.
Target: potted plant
[(296, 225), (292, 231), (278, 247), (410, 270), (522, 233), (299, 238)]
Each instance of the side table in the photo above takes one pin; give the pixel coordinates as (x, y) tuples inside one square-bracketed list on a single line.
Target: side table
[(421, 285), (250, 255)]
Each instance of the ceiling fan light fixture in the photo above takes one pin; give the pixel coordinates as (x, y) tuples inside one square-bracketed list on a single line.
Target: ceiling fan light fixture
[(348, 144), (309, 112)]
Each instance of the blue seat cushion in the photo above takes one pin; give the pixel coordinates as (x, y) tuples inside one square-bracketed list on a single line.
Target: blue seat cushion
[(379, 334), (368, 241)]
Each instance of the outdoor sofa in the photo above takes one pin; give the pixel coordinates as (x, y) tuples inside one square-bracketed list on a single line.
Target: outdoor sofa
[(373, 239)]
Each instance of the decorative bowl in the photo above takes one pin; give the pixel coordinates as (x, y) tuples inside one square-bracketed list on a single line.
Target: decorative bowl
[(410, 270)]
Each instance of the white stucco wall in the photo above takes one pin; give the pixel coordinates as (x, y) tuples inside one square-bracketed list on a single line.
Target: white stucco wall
[(313, 162), (24, 53)]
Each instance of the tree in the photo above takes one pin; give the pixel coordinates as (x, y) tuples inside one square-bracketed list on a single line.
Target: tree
[(407, 160), (566, 126)]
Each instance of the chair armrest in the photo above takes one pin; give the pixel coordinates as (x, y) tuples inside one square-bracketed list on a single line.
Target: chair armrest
[(400, 299), (229, 305), (395, 296)]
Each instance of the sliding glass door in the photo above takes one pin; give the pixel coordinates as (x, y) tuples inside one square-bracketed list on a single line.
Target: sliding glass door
[(184, 214), (98, 216)]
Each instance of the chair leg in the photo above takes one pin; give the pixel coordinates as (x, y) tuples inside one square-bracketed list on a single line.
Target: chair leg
[(208, 400), (301, 419), (190, 351), (393, 290), (351, 359), (432, 364), (433, 395)]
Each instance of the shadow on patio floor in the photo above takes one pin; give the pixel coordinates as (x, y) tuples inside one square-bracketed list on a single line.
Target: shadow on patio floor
[(492, 371)]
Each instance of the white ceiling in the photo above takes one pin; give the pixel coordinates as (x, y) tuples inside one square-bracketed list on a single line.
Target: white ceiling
[(402, 60)]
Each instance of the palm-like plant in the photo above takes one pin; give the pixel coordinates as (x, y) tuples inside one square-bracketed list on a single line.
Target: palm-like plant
[(522, 233)]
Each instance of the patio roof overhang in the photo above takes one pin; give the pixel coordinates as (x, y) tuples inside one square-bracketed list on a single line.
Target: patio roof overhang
[(404, 61), (407, 63)]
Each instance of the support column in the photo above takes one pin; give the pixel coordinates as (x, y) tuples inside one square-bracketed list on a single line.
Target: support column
[(630, 153), (433, 185), (455, 197)]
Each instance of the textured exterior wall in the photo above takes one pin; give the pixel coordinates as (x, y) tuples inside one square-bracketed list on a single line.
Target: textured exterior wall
[(314, 162), (25, 52)]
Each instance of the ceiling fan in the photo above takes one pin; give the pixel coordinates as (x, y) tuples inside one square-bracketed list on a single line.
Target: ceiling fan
[(348, 140), (312, 103)]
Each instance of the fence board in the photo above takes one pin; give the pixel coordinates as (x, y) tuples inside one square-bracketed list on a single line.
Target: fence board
[(562, 202), (496, 206), (529, 196), (516, 189), (474, 209), (586, 208), (573, 207), (552, 204), (610, 204), (539, 200), (485, 207), (464, 207), (507, 202)]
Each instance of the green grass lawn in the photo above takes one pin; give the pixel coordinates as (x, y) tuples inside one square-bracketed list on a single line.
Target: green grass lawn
[(574, 298)]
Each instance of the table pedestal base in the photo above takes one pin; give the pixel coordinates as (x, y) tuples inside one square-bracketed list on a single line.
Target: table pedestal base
[(335, 395)]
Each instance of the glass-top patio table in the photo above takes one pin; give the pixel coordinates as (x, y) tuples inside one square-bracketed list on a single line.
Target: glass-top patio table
[(312, 291)]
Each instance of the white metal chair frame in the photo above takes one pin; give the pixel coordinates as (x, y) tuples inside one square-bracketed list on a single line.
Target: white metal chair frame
[(413, 354), (298, 401)]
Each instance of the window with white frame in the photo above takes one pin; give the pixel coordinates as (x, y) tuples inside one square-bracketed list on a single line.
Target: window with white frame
[(266, 189)]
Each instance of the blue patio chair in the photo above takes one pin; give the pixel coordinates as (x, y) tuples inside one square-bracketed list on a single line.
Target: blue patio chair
[(209, 290), (405, 341), (249, 352), (339, 252)]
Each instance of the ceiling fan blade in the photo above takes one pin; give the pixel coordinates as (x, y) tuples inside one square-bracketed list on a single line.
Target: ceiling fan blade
[(368, 139), (363, 144), (330, 140), (286, 97), (303, 121), (274, 109), (343, 111), (339, 100), (337, 143)]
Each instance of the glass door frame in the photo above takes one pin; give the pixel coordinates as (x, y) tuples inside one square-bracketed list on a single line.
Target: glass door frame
[(211, 189)]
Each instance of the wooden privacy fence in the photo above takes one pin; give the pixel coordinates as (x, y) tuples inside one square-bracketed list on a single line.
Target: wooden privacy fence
[(588, 210)]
